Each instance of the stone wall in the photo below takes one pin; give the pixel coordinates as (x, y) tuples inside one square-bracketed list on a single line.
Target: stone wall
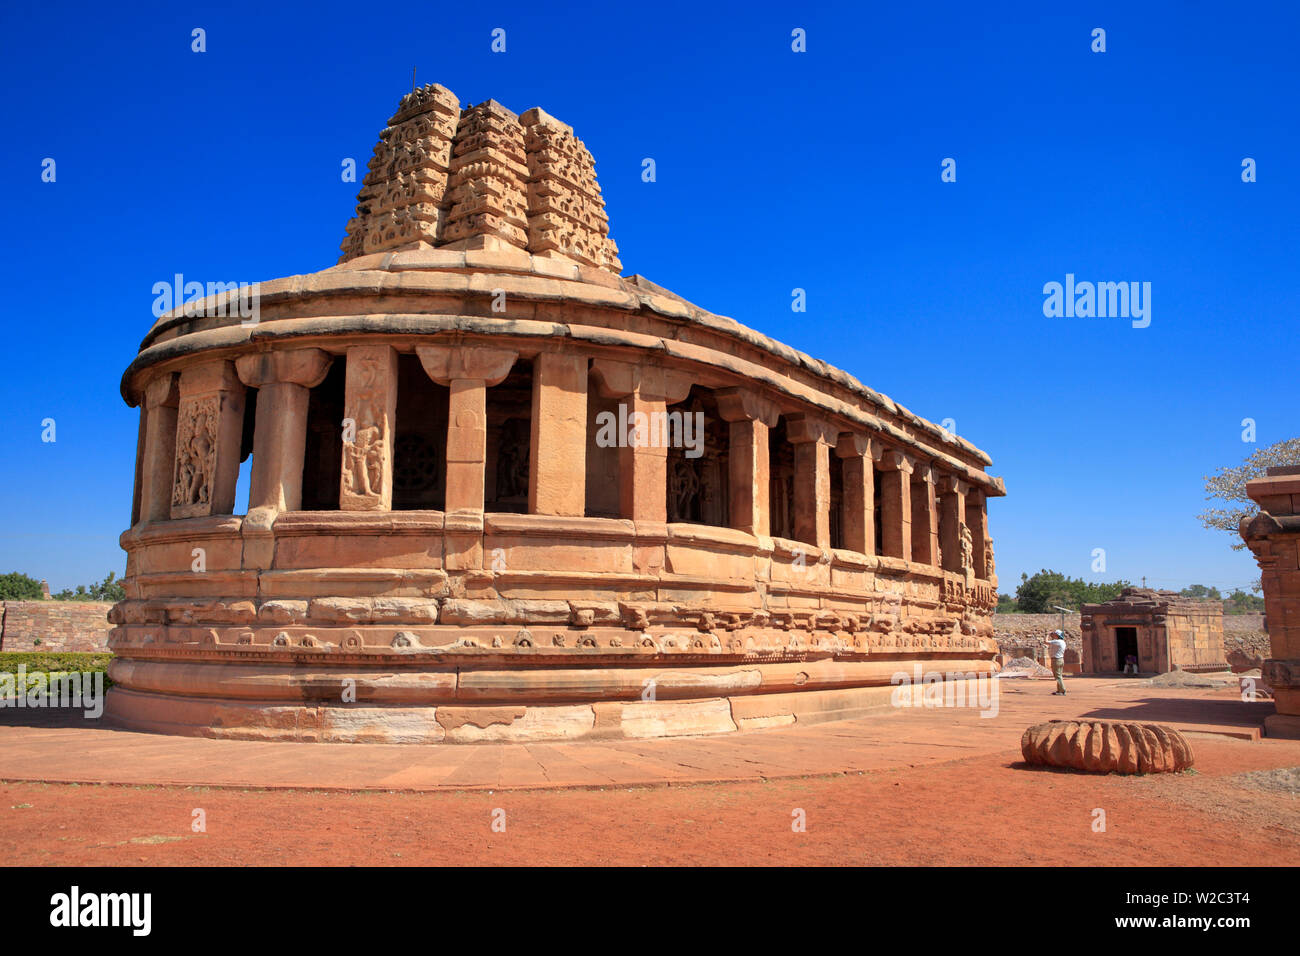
[(58, 625), (1243, 633)]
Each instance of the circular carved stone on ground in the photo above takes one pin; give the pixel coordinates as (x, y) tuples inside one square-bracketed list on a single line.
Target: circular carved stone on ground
[(1106, 746)]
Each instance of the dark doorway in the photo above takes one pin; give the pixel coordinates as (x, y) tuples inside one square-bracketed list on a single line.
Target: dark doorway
[(1126, 644)]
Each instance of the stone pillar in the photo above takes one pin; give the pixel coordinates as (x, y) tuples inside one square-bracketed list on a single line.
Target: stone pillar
[(952, 518), (284, 379), (751, 418), (977, 519), (896, 504), (857, 454), (158, 459), (209, 431), (467, 371), (1273, 536), (812, 438), (557, 462), (643, 459), (369, 416), (925, 517)]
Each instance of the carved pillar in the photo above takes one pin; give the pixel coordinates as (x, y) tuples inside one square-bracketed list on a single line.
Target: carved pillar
[(977, 519), (812, 438), (467, 371), (925, 517), (857, 454), (158, 457), (1273, 536), (557, 463), (751, 417), (952, 518), (369, 409), (209, 430), (896, 506), (284, 380), (643, 458)]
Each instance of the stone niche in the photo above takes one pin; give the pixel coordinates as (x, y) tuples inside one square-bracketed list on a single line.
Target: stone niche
[(507, 493), (1273, 536), (1162, 629)]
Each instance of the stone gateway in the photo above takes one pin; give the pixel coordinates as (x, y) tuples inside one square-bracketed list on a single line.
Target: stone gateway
[(437, 548)]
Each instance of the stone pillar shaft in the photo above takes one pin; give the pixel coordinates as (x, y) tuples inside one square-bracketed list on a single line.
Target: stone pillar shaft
[(896, 505), (812, 439), (209, 432), (369, 413), (857, 460), (284, 380), (557, 464), (750, 419), (952, 515), (158, 459), (925, 523), (977, 519)]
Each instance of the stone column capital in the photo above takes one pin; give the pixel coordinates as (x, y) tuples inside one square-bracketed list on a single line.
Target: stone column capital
[(852, 445), (162, 390), (448, 363), (218, 376), (653, 383), (304, 367), (950, 484), (739, 404), (808, 428), (893, 460)]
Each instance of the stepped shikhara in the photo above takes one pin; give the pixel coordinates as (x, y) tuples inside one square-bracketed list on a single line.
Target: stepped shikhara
[(498, 491), (480, 178)]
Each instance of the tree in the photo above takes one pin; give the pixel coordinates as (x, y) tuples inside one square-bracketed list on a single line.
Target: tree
[(110, 590), (1048, 590), (1007, 604), (16, 586), (1201, 593), (1239, 602), (1229, 486)]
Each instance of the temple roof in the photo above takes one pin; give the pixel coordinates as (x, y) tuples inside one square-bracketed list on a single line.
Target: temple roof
[(480, 178)]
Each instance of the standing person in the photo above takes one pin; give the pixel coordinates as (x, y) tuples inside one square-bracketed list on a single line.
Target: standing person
[(1057, 647)]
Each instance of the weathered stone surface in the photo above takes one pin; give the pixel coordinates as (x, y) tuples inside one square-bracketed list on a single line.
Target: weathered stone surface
[(1102, 746)]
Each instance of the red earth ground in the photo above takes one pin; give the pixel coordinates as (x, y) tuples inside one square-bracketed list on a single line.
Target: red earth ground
[(986, 808)]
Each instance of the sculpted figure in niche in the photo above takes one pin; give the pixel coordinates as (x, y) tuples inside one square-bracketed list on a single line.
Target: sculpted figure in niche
[(195, 448), (363, 466), (967, 555)]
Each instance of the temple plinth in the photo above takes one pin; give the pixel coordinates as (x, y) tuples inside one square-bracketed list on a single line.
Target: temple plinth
[(500, 491)]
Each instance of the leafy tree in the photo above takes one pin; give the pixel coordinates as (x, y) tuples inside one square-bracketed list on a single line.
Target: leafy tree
[(16, 586), (1229, 486), (1047, 590), (1201, 593), (1239, 602), (110, 590), (1006, 604)]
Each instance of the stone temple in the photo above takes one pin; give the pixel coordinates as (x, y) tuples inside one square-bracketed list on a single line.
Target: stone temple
[(500, 492)]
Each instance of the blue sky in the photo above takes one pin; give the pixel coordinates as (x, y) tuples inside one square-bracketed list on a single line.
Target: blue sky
[(775, 170)]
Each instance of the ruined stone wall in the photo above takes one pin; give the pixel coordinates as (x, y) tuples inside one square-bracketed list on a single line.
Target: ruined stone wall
[(1243, 637), (57, 625)]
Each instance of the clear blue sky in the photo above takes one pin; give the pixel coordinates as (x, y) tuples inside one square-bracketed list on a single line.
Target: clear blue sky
[(776, 170)]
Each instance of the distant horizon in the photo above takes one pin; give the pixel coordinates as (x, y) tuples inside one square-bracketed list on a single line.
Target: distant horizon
[(775, 171)]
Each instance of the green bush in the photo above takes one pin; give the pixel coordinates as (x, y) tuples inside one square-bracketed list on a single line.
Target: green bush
[(52, 664)]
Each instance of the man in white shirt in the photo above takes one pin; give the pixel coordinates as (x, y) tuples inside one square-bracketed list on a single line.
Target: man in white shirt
[(1056, 646)]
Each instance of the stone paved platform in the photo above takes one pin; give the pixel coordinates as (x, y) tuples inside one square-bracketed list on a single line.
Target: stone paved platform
[(59, 747)]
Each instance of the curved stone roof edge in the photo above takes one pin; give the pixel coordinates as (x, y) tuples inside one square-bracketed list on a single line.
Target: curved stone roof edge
[(644, 290)]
